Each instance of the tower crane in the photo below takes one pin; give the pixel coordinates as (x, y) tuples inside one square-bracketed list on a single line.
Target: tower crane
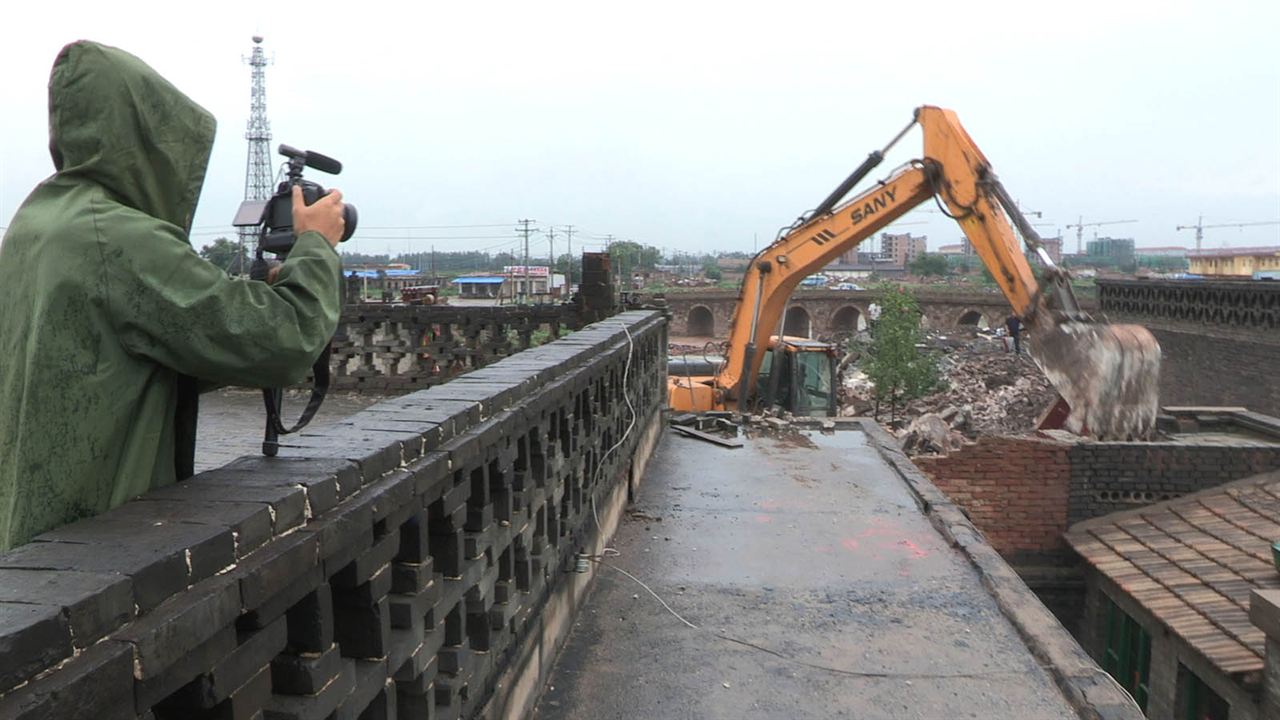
[(1200, 227), (1080, 225)]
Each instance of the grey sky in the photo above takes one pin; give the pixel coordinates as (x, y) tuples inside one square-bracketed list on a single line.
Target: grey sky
[(694, 125)]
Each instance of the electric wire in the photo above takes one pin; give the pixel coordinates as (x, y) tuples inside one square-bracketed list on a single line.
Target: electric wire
[(798, 661)]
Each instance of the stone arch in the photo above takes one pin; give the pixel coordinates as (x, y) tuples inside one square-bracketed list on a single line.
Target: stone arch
[(847, 319), (701, 322), (972, 318), (797, 322)]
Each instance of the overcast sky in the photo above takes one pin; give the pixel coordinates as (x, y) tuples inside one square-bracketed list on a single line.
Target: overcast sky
[(697, 125)]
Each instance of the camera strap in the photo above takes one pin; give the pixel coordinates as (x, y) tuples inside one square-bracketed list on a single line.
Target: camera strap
[(272, 397)]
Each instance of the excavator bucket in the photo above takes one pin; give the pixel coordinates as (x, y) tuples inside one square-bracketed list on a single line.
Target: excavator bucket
[(1109, 376)]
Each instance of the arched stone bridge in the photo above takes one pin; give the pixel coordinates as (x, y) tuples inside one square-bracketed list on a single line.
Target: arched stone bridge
[(815, 313)]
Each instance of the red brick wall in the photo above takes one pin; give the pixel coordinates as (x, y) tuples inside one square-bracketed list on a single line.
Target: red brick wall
[(1015, 490)]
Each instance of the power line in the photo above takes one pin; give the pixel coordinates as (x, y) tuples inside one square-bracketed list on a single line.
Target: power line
[(362, 236), (435, 227)]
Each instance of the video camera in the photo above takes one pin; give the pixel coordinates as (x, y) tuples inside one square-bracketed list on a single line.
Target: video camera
[(275, 216)]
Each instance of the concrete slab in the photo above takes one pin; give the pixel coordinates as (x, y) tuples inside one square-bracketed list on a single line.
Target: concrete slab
[(811, 548)]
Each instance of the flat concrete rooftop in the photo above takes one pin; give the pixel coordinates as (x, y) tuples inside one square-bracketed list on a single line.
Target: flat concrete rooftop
[(811, 548)]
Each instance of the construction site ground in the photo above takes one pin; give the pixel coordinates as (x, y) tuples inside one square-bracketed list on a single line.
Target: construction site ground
[(819, 589)]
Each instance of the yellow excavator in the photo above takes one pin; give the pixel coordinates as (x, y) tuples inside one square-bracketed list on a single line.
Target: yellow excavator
[(1106, 374)]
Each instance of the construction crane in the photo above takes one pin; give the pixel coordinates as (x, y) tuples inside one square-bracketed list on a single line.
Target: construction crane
[(1200, 227), (1080, 225)]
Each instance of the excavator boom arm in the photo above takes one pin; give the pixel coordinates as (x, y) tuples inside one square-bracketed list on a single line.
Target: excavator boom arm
[(953, 168), (1107, 374)]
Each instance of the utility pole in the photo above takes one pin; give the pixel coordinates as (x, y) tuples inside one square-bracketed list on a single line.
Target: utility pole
[(608, 241), (568, 275), (257, 174), (525, 268), (551, 266)]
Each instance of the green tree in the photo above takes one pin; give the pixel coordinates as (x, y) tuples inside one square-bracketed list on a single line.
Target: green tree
[(634, 256), (894, 363), (927, 264), (228, 255), (711, 271)]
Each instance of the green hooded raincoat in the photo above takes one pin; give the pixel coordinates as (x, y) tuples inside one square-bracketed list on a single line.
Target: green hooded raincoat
[(107, 310)]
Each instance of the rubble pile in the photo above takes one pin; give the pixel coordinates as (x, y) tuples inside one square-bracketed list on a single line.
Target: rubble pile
[(985, 390)]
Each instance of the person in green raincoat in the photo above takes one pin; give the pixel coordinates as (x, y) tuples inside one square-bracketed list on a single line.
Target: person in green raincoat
[(111, 321)]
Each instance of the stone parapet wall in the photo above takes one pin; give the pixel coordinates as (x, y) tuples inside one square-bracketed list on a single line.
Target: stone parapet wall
[(402, 348), (402, 563), (1220, 339), (1245, 308)]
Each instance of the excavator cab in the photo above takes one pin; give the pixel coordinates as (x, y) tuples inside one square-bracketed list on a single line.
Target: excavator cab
[(798, 375)]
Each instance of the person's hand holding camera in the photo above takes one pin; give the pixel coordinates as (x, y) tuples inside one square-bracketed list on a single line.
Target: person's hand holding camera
[(325, 216)]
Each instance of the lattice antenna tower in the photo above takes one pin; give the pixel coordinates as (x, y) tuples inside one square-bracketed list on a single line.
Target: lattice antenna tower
[(258, 177)]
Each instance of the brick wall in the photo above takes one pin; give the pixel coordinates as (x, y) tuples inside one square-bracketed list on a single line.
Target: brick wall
[(1113, 476), (1023, 492), (1198, 369), (1014, 489)]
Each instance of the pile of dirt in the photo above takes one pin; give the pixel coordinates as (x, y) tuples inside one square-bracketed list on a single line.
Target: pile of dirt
[(985, 390)]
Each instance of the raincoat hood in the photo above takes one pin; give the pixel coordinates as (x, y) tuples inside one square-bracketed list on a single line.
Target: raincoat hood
[(116, 122)]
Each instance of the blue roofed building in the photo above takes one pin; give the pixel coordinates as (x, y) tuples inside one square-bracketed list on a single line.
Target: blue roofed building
[(478, 286)]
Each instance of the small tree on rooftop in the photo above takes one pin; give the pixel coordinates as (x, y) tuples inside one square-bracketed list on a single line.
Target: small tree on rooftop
[(894, 363)]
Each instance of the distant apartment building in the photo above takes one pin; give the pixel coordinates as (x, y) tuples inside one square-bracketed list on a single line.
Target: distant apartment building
[(1053, 246), (1117, 249), (1245, 262), (901, 248), (957, 249)]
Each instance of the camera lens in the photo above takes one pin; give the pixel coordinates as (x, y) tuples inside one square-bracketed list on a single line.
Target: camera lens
[(349, 218)]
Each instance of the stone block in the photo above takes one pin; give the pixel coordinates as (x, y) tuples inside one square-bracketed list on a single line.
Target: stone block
[(287, 502), (305, 674), (249, 522), (94, 603), (420, 706), (317, 706), (370, 681), (281, 565), (363, 632), (404, 608), (414, 547), (159, 682), (250, 658), (447, 553), (431, 473), (32, 638), (156, 567), (182, 626), (96, 685), (310, 622), (325, 480), (412, 578), (366, 593), (370, 562)]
